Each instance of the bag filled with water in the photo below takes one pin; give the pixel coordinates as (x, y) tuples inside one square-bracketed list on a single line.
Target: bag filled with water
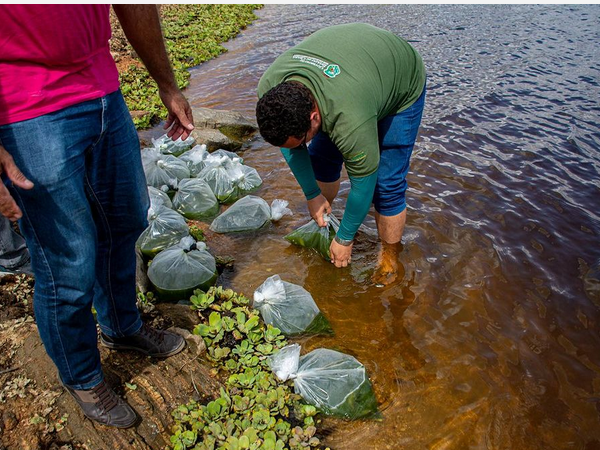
[(290, 308), (249, 213), (311, 235), (165, 229), (334, 382), (194, 199), (177, 271)]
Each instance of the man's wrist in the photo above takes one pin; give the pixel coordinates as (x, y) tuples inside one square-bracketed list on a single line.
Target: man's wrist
[(168, 87), (344, 242)]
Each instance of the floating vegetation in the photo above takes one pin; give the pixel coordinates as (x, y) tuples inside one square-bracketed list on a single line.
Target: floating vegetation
[(255, 411)]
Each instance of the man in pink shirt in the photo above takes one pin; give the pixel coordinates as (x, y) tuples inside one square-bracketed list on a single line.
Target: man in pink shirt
[(70, 157)]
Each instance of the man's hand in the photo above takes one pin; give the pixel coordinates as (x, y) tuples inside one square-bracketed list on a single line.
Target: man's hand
[(316, 207), (180, 118), (8, 206), (341, 255)]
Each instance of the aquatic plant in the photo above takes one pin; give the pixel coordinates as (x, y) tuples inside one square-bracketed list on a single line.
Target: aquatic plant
[(196, 232), (254, 411)]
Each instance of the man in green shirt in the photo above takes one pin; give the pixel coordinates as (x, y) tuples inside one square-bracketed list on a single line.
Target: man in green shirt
[(356, 92)]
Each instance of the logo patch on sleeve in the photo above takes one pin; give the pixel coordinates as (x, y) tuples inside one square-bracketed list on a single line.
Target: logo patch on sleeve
[(332, 70)]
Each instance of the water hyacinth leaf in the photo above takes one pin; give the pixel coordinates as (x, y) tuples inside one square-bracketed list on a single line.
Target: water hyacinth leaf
[(244, 442), (202, 330), (188, 438), (214, 321)]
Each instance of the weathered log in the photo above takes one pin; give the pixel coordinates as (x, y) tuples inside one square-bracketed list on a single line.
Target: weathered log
[(154, 389)]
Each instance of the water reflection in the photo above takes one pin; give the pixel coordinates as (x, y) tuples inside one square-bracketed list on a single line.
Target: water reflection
[(490, 339)]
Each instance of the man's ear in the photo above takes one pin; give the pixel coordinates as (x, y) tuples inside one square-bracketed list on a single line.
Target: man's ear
[(315, 118)]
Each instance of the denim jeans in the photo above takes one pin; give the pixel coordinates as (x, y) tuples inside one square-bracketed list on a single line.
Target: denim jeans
[(81, 221)]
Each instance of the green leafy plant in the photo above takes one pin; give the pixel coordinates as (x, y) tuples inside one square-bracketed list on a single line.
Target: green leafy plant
[(196, 232), (254, 410)]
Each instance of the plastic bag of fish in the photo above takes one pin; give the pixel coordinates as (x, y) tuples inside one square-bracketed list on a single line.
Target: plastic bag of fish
[(249, 213), (334, 382)]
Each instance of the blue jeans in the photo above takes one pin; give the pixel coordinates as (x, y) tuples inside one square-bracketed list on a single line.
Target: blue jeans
[(81, 221), (397, 136)]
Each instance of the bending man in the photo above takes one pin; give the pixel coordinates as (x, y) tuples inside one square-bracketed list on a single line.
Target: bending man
[(356, 93)]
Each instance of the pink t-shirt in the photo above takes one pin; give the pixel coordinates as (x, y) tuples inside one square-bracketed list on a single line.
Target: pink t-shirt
[(53, 56)]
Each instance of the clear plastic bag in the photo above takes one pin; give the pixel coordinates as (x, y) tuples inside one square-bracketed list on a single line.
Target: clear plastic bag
[(195, 159), (168, 146), (195, 199), (166, 228), (158, 199), (217, 173), (334, 382), (290, 308), (162, 170), (249, 213), (177, 271), (315, 237), (246, 179), (220, 153)]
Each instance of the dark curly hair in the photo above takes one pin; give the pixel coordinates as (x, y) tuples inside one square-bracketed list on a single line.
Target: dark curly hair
[(284, 112)]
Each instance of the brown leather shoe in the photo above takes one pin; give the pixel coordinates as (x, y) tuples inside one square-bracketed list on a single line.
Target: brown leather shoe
[(104, 406), (149, 341)]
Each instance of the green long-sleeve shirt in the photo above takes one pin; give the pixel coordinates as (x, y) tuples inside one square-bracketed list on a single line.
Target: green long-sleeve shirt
[(358, 74)]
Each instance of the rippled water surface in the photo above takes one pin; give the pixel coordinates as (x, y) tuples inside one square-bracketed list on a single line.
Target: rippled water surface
[(491, 338)]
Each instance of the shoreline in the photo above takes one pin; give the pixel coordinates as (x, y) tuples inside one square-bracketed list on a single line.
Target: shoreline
[(193, 34)]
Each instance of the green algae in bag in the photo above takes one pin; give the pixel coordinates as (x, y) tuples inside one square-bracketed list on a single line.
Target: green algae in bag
[(195, 199), (335, 383), (290, 308), (177, 271), (315, 237), (165, 229)]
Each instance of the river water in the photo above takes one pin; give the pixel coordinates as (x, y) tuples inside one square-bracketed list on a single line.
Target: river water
[(491, 338)]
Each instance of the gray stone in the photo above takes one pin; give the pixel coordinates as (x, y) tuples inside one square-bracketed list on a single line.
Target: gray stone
[(215, 140), (216, 128)]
